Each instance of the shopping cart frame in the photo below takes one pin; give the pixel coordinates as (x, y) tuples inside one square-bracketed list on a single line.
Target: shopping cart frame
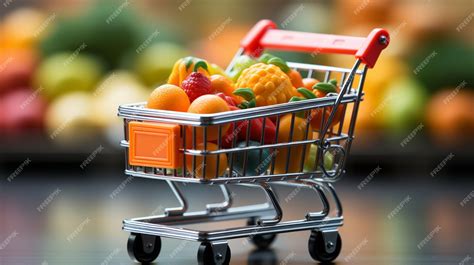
[(265, 220)]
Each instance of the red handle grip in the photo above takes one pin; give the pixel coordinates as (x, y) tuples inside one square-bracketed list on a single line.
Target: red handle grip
[(264, 35)]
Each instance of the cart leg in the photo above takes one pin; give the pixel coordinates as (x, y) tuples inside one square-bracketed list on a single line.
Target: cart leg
[(322, 195), (226, 204), (276, 205), (182, 201)]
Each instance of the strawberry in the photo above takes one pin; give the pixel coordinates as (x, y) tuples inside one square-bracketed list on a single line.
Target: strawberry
[(196, 85)]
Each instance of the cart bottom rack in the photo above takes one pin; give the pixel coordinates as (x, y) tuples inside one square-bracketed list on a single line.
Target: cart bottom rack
[(263, 223)]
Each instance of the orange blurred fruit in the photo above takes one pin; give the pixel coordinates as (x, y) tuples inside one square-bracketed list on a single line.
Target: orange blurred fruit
[(168, 97), (211, 169), (308, 83), (207, 104)]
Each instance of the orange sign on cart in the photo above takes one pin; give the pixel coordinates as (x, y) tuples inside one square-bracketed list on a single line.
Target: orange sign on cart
[(154, 144)]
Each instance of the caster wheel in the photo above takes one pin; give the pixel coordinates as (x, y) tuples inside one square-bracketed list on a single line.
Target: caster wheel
[(322, 250), (261, 241), (143, 248), (209, 255)]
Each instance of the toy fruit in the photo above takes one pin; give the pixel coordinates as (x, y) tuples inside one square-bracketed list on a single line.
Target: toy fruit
[(296, 153), (308, 83), (211, 170), (205, 105), (321, 90), (220, 83), (168, 97), (296, 79), (257, 161), (310, 160), (255, 134), (184, 67), (227, 99), (269, 84), (215, 69), (272, 59), (241, 63), (196, 85), (62, 73)]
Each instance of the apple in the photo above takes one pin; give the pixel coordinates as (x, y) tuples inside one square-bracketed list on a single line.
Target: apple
[(65, 72), (154, 64)]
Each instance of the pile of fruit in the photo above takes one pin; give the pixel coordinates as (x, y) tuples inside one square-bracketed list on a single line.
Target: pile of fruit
[(196, 86)]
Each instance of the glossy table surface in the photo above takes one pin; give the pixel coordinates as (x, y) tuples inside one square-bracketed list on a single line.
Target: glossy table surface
[(51, 220)]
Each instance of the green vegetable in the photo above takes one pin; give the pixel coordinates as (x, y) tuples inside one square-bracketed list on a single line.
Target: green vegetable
[(272, 59), (325, 87), (306, 93)]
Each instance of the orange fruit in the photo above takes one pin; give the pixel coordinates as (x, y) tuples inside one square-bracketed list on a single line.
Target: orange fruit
[(168, 97), (211, 170), (296, 79), (207, 104), (220, 83), (308, 83)]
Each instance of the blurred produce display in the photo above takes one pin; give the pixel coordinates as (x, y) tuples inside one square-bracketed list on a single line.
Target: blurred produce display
[(63, 74)]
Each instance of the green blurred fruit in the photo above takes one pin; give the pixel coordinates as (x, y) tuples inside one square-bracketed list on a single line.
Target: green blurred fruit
[(154, 64), (310, 161), (65, 72), (255, 164), (403, 106)]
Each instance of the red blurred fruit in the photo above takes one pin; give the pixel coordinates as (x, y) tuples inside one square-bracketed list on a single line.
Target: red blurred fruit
[(16, 69), (196, 85), (22, 110)]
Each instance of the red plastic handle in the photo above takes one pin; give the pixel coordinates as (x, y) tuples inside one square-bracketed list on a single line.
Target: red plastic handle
[(264, 35)]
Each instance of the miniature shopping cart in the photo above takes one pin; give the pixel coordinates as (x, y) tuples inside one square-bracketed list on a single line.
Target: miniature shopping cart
[(163, 145)]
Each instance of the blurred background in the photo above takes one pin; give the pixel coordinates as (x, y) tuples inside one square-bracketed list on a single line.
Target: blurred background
[(65, 67), (117, 52)]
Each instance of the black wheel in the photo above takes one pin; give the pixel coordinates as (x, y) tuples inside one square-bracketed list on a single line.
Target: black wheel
[(143, 248), (318, 247), (207, 255), (261, 241)]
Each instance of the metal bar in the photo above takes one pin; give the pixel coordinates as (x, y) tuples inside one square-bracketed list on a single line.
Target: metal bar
[(339, 99), (181, 199), (226, 204), (276, 205)]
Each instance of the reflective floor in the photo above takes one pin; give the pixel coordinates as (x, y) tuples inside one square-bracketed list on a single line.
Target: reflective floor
[(51, 220)]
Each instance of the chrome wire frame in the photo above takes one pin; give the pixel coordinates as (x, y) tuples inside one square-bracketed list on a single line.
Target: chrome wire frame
[(268, 215)]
